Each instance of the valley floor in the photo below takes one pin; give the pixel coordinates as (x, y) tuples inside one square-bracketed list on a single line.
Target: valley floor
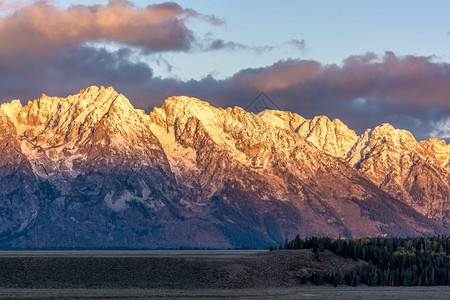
[(303, 292)]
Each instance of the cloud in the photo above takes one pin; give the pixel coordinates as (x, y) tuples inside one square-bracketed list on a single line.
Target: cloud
[(410, 92), (441, 129), (41, 27), (71, 69), (160, 61), (10, 5), (219, 44), (297, 44)]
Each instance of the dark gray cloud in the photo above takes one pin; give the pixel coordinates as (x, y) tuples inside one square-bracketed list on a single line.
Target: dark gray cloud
[(69, 70), (219, 44), (297, 44)]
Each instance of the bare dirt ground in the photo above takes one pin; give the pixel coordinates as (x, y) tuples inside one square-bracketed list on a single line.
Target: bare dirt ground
[(183, 275)]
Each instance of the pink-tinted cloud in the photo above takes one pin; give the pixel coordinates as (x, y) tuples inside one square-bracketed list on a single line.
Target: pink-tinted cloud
[(411, 82), (41, 27), (10, 5)]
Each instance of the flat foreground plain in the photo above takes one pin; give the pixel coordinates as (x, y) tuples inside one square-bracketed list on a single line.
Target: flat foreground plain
[(303, 292), (184, 274)]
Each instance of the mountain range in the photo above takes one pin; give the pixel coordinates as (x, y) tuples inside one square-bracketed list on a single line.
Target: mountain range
[(91, 171)]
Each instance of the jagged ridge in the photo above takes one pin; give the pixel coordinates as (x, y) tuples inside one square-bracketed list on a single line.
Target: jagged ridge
[(188, 174)]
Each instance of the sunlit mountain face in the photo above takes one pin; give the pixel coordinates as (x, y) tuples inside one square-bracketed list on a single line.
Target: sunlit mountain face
[(91, 171)]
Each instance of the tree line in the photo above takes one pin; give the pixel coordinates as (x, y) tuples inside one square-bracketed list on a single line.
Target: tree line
[(419, 261)]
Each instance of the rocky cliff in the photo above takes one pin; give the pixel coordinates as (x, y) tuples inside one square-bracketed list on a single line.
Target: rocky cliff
[(89, 170)]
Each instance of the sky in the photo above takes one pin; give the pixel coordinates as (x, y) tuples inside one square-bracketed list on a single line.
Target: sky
[(364, 62)]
